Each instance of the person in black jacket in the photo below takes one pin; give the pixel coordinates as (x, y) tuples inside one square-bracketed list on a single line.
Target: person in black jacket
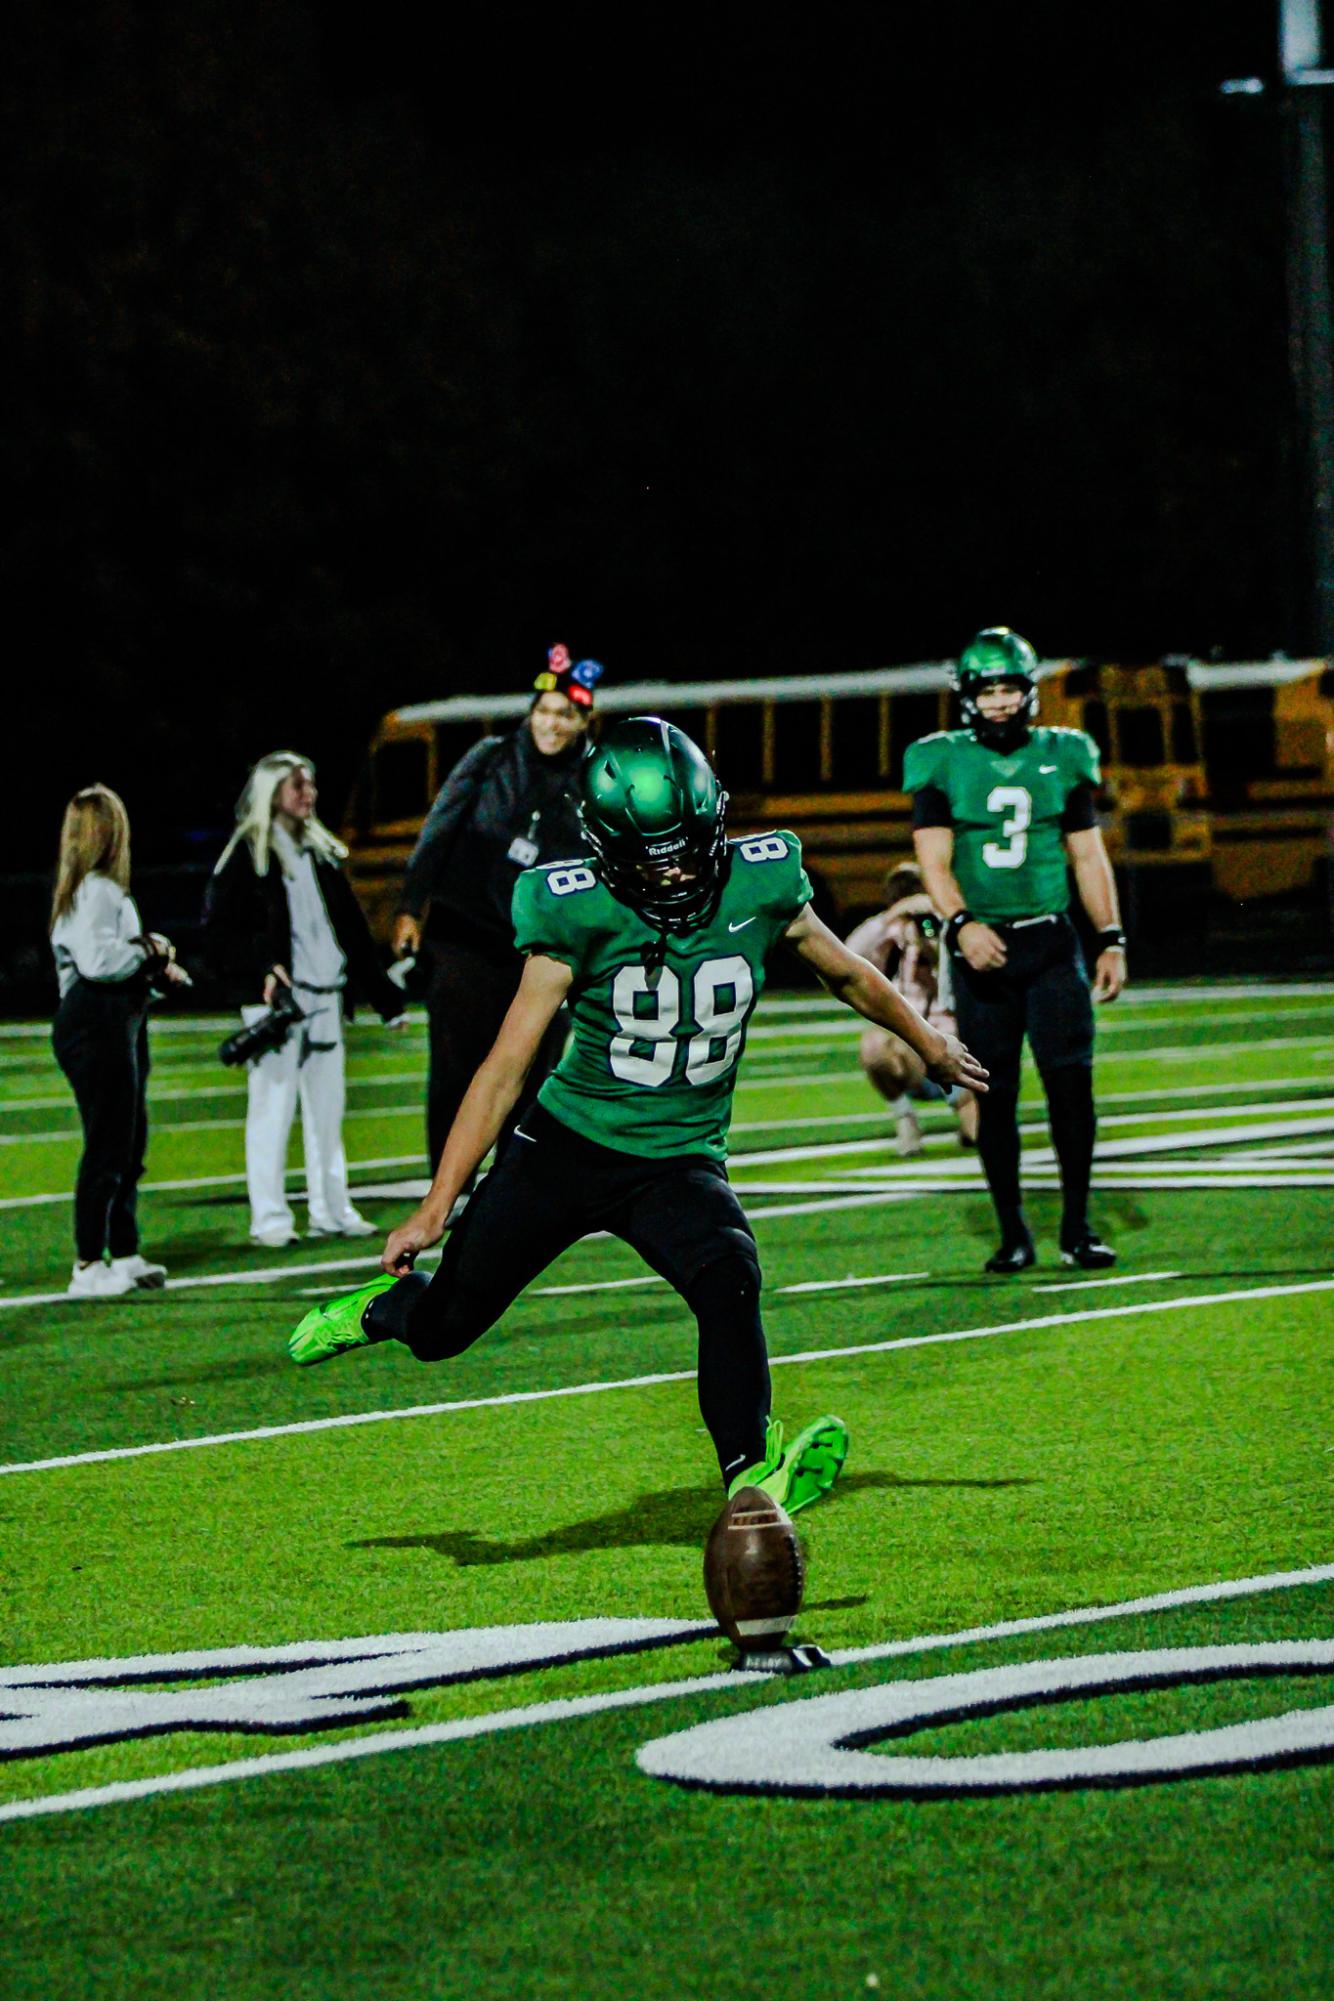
[(508, 804), (280, 913)]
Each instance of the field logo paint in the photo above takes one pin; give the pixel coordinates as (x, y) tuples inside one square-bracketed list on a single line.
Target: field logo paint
[(311, 1686), (817, 1745)]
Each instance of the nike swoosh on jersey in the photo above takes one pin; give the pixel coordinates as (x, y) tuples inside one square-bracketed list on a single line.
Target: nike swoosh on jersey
[(742, 925), (1046, 767)]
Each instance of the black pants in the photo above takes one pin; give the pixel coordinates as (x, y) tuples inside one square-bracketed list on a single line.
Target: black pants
[(100, 1038), (1042, 992), (552, 1187), (468, 997)]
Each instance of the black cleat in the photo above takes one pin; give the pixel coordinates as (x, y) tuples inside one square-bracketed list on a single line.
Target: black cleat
[(1012, 1258), (1089, 1253)]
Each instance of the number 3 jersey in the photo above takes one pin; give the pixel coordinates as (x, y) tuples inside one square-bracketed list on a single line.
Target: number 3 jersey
[(652, 1061), (1010, 812)]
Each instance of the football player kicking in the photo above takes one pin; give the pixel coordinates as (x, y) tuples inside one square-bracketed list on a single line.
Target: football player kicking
[(659, 942), (997, 807)]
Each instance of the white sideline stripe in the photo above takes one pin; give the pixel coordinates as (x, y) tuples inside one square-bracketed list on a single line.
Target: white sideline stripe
[(211, 1181), (511, 1397), (198, 1024), (1127, 1278), (166, 1131), (194, 1778), (366, 1081), (1121, 1175), (861, 1198), (1112, 1150), (843, 1284), (767, 1157)]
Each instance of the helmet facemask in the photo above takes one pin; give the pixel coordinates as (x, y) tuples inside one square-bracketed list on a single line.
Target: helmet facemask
[(998, 657), (650, 802)]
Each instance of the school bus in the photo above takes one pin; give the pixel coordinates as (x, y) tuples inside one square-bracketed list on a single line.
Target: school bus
[(1216, 776)]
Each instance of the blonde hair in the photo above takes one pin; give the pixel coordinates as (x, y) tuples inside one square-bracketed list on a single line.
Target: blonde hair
[(254, 815), (94, 840)]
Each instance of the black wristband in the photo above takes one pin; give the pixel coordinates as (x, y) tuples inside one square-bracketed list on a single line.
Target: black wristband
[(954, 925), (1111, 938)]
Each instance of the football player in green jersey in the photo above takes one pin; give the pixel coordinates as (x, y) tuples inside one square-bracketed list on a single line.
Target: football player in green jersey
[(1000, 810), (658, 939)]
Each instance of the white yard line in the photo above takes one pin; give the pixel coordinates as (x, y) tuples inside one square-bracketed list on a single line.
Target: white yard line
[(163, 1132), (1125, 1278), (1189, 1303), (1110, 1150), (847, 1284)]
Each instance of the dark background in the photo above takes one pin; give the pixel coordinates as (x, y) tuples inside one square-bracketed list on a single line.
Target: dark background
[(355, 357)]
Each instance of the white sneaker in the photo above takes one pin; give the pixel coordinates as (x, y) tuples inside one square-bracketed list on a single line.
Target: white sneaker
[(100, 1281), (273, 1240), (146, 1276), (907, 1136), (354, 1226)]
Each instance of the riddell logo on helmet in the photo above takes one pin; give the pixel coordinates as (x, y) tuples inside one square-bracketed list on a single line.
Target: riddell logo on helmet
[(659, 849)]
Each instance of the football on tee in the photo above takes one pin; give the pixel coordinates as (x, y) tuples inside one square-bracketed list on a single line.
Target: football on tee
[(753, 1570)]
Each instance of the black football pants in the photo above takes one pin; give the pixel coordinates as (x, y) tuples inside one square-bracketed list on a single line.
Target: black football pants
[(100, 1038), (468, 997), (1042, 992), (551, 1187)]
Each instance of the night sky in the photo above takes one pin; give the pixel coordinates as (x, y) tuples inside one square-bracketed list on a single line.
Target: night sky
[(354, 358)]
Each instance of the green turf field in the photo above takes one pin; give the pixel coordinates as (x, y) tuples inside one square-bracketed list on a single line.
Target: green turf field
[(298, 1803)]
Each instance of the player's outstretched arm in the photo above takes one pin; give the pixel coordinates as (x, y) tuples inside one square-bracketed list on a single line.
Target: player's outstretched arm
[(490, 1098), (1097, 892), (856, 982)]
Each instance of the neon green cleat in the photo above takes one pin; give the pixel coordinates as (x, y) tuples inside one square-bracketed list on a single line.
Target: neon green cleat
[(805, 1471), (334, 1327)]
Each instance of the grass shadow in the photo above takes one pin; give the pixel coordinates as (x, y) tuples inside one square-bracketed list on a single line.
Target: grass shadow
[(679, 1518)]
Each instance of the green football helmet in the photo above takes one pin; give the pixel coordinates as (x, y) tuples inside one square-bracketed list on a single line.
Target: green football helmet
[(649, 800), (997, 654)]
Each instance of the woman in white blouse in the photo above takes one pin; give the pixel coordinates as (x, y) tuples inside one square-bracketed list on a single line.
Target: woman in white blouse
[(104, 961)]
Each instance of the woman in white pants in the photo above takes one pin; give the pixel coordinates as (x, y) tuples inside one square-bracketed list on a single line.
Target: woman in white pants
[(280, 914)]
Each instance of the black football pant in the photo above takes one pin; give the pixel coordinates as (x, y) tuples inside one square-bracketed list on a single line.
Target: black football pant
[(100, 1038), (550, 1188), (1042, 992), (468, 997)]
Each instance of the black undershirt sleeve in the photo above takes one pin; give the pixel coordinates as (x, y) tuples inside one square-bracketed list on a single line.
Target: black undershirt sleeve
[(931, 808), (1079, 811)]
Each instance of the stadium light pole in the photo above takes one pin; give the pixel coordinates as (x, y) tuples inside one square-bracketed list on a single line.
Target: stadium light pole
[(1303, 84)]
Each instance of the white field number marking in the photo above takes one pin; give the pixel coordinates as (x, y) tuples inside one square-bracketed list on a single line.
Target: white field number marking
[(802, 1745), (815, 1746)]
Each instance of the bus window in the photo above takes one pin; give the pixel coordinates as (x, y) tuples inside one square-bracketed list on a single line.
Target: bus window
[(1238, 725), (1139, 737), (1095, 725), (739, 760), (796, 746), (856, 747), (910, 717), (693, 721), (400, 781), (1183, 734), (451, 741)]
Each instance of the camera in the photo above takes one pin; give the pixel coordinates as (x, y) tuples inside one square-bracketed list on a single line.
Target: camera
[(269, 1032)]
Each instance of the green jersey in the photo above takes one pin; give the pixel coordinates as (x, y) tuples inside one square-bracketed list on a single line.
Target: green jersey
[(1008, 813), (652, 1061)]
